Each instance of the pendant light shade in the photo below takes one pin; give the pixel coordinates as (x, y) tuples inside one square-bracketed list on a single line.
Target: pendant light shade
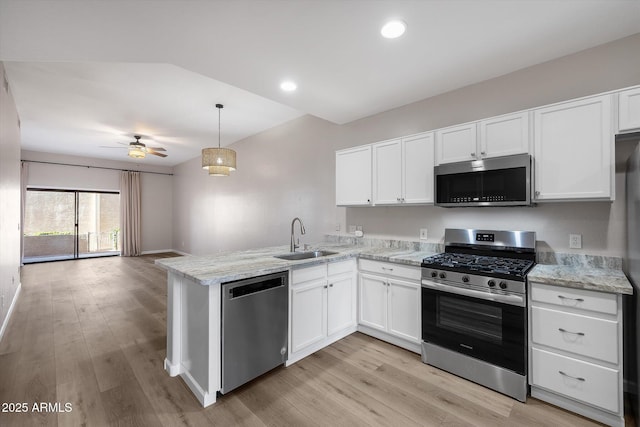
[(219, 161)]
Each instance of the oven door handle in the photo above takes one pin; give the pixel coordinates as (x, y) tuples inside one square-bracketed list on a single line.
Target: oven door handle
[(506, 299)]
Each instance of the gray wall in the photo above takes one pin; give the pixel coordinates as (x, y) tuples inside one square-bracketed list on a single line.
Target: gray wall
[(9, 201), (289, 171)]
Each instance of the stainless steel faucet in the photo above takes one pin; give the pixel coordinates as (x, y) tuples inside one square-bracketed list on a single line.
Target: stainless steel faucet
[(302, 231)]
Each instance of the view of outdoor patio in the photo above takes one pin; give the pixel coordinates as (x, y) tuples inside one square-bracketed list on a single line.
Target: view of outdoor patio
[(70, 224)]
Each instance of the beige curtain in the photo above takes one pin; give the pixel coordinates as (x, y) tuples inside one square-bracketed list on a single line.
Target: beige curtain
[(24, 179), (130, 213)]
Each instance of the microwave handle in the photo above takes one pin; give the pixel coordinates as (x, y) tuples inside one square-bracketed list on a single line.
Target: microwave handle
[(488, 296)]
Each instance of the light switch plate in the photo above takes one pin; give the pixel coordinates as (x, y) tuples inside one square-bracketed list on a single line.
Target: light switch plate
[(423, 234), (575, 241)]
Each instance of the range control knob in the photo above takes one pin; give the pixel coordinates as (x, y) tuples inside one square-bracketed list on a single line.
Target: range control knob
[(434, 274), (491, 283), (503, 285), (465, 279), (442, 275)]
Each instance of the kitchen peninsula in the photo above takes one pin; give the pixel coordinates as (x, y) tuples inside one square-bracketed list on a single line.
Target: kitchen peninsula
[(194, 301)]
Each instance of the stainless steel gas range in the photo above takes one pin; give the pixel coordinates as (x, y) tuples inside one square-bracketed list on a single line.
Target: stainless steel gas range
[(474, 307)]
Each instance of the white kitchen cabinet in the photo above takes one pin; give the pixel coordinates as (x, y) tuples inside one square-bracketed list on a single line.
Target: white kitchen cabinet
[(403, 170), (417, 168), (629, 110), (353, 176), (387, 172), (456, 143), (322, 307), (308, 314), (504, 135), (573, 144), (575, 350), (493, 137), (389, 303)]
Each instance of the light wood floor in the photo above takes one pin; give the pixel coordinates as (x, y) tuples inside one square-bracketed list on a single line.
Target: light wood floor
[(92, 333)]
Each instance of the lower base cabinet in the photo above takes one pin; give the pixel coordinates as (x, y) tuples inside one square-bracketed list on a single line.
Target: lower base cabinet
[(389, 303), (322, 304), (575, 351)]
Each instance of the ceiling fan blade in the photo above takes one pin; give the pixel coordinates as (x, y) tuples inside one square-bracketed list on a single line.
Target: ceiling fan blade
[(156, 148), (156, 154)]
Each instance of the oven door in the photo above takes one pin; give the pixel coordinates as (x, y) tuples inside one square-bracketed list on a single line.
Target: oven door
[(489, 330)]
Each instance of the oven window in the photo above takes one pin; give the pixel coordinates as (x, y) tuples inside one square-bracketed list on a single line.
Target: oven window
[(470, 318)]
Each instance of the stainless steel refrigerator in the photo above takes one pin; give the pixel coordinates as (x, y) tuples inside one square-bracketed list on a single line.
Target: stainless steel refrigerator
[(632, 270)]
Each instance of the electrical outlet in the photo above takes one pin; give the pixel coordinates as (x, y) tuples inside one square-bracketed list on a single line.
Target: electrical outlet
[(337, 227), (358, 228), (423, 234), (352, 229), (575, 241)]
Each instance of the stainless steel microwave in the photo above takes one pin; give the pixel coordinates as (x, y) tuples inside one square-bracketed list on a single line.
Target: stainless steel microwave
[(499, 181)]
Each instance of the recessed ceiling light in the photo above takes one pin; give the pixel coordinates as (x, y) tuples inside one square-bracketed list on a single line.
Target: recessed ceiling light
[(288, 86), (393, 29)]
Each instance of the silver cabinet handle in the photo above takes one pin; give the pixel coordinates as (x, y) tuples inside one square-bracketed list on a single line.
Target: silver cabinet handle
[(325, 286), (331, 285), (473, 154), (482, 153), (537, 193), (573, 299), (387, 269), (570, 376), (564, 331)]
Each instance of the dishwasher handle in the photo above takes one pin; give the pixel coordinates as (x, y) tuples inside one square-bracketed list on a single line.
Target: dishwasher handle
[(253, 286)]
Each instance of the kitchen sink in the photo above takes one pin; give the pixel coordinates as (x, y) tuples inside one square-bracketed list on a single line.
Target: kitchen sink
[(304, 255)]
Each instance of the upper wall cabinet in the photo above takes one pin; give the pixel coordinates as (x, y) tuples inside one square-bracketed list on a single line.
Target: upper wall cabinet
[(573, 150), (494, 137), (456, 143), (403, 170), (353, 176), (504, 135), (629, 110)]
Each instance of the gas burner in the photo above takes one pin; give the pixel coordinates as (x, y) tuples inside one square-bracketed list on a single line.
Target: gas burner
[(470, 263)]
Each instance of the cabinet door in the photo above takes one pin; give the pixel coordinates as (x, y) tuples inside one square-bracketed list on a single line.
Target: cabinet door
[(417, 168), (341, 304), (353, 176), (504, 135), (456, 144), (573, 150), (387, 173), (629, 110), (308, 314), (373, 302), (404, 310)]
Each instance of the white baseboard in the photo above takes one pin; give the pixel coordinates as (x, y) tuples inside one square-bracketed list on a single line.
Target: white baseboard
[(161, 251), (11, 307)]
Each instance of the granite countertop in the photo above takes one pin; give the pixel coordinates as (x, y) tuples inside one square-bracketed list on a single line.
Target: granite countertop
[(228, 266), (581, 277)]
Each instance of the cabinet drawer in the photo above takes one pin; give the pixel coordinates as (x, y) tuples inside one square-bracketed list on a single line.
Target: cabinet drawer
[(583, 335), (390, 269), (335, 268), (592, 384), (308, 273), (575, 298)]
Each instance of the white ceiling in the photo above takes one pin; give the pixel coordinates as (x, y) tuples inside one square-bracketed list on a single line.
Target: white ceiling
[(91, 73)]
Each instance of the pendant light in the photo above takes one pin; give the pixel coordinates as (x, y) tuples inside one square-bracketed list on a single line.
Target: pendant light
[(219, 161)]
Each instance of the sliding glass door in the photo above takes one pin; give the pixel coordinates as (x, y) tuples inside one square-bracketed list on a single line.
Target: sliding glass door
[(66, 224)]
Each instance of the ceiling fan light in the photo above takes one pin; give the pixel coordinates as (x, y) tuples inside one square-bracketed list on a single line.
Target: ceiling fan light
[(136, 153)]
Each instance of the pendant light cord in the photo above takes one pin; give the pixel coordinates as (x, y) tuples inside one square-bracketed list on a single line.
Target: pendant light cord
[(219, 107)]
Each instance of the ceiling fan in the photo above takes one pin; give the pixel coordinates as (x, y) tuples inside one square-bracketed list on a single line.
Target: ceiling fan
[(138, 150)]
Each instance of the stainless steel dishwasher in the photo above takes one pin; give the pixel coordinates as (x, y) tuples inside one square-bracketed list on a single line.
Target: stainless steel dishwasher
[(254, 327)]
